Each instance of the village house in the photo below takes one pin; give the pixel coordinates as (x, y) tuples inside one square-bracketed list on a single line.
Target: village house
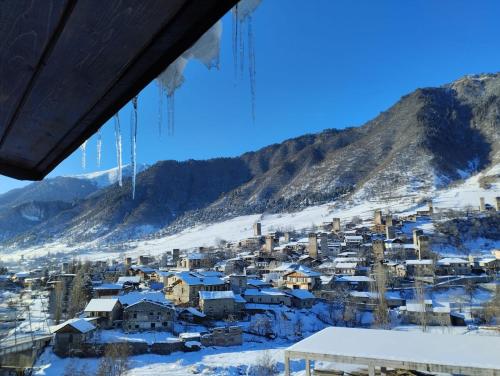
[(104, 311), (354, 282), (194, 261), (419, 268), (148, 315), (221, 304), (367, 300), (301, 298), (433, 314), (302, 278), (185, 289), (230, 336), (70, 335), (453, 266), (107, 290), (267, 296), (346, 268), (144, 272)]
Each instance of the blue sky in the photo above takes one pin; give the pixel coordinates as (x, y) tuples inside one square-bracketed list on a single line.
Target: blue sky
[(320, 64)]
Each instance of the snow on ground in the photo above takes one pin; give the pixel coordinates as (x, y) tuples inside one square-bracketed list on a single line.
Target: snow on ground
[(222, 361)]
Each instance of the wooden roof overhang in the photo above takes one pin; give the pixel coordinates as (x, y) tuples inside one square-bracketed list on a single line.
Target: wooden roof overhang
[(67, 66)]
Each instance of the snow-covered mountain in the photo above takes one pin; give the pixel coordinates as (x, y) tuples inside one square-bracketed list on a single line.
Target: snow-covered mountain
[(426, 144), (109, 177)]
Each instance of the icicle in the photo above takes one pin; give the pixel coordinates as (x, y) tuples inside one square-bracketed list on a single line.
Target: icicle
[(171, 113), (160, 109), (83, 147), (242, 48), (206, 50), (118, 144), (133, 140), (251, 65), (242, 17), (235, 41), (99, 147)]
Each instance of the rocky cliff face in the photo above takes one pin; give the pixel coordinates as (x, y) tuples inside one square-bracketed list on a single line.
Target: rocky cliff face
[(428, 139)]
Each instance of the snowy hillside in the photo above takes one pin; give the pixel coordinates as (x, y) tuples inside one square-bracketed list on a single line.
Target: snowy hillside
[(461, 195)]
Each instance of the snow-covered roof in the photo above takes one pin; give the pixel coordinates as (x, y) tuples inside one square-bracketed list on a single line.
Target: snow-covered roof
[(101, 305), (346, 265), (354, 278), (193, 311), (129, 279), (419, 262), (165, 304), (137, 296), (192, 278), (304, 270), (348, 259), (82, 325), (451, 260), (263, 292), (347, 254), (301, 294), (143, 268), (211, 295), (404, 346), (109, 286)]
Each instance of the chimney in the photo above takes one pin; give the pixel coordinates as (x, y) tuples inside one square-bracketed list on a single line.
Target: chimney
[(257, 229), (313, 245)]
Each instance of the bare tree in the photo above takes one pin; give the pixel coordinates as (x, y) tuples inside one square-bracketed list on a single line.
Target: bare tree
[(58, 301), (115, 360), (80, 291), (266, 366), (381, 312)]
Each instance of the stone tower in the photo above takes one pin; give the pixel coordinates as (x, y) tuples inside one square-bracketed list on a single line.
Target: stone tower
[(390, 232), (423, 245), (378, 217), (388, 220), (430, 207), (269, 247), (257, 229), (336, 224), (416, 233), (313, 245), (497, 203), (323, 243), (378, 247), (175, 255), (482, 204)]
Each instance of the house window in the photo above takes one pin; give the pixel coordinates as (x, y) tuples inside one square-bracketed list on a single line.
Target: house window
[(153, 325), (135, 315), (137, 326)]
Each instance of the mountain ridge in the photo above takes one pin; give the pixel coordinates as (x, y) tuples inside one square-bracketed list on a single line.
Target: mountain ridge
[(428, 139)]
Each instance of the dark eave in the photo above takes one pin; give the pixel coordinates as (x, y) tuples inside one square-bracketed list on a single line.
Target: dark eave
[(68, 66)]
